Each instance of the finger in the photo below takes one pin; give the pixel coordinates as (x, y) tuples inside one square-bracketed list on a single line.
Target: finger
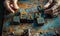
[(15, 4), (48, 4)]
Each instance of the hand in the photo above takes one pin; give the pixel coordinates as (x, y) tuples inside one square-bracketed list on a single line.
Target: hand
[(11, 5), (48, 4)]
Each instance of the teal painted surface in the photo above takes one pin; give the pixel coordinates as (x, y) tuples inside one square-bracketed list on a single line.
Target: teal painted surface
[(52, 23)]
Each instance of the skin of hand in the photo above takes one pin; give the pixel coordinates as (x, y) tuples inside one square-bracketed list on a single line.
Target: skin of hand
[(48, 4), (11, 5), (53, 8)]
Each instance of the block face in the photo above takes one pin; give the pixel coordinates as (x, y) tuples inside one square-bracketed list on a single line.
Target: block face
[(40, 20)]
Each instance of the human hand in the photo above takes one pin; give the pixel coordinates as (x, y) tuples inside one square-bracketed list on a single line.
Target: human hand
[(11, 5)]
